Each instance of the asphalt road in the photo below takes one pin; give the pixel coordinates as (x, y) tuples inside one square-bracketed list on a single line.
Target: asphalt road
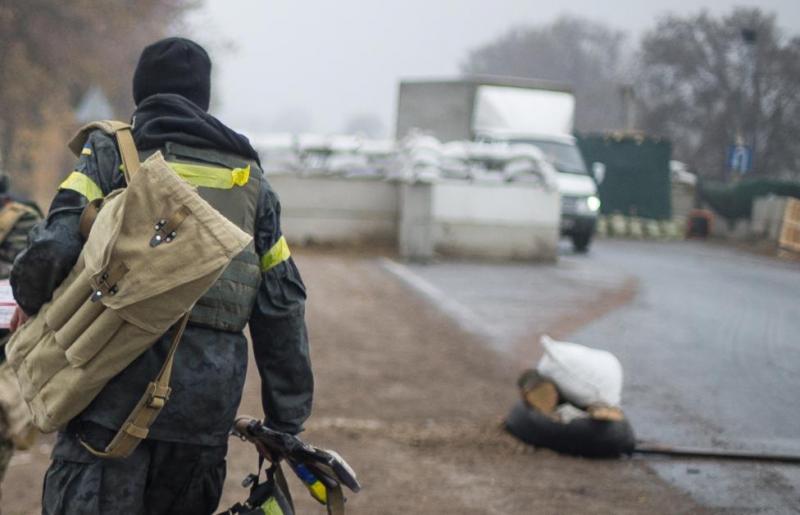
[(710, 345)]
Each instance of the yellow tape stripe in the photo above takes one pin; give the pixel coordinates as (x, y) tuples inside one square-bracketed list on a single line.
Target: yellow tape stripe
[(212, 176), (82, 184), (271, 507), (276, 255), (86, 151), (318, 491)]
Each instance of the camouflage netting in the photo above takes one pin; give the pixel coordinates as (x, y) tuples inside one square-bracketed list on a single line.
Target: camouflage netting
[(735, 201)]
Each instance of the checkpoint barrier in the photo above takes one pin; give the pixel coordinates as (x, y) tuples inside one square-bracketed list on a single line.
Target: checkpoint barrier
[(462, 199)]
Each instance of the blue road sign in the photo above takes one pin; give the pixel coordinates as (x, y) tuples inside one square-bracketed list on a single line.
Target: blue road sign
[(740, 159)]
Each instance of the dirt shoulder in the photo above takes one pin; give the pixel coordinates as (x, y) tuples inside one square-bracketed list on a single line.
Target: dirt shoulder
[(414, 404)]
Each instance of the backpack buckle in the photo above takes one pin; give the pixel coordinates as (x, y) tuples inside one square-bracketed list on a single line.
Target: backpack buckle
[(158, 397), (108, 282), (167, 226)]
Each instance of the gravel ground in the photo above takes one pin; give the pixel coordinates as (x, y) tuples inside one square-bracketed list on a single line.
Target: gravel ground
[(414, 404)]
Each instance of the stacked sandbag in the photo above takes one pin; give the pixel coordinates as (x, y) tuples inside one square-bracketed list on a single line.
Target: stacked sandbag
[(571, 403), (584, 376)]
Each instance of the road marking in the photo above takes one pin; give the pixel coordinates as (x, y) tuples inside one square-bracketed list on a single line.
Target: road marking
[(465, 317)]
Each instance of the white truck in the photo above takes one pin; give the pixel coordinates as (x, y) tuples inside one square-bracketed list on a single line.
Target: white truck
[(515, 111)]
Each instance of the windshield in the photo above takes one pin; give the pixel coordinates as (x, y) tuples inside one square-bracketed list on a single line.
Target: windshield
[(566, 158)]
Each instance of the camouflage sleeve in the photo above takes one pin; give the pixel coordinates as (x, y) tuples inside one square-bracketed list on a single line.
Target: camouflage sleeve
[(16, 241), (55, 243), (277, 325), (95, 175)]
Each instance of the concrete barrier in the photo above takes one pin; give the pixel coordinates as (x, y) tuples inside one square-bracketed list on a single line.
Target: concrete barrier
[(764, 224), (683, 199), (335, 210), (494, 220), (767, 217)]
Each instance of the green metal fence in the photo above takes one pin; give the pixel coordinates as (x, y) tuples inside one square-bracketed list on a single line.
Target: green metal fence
[(637, 180)]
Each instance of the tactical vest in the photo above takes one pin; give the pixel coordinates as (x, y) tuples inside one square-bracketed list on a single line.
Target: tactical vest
[(231, 185)]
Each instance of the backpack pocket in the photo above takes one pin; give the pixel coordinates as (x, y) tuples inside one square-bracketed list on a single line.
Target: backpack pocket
[(76, 290), (78, 324), (94, 337)]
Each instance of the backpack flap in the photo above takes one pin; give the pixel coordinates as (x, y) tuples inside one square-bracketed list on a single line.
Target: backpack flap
[(160, 240)]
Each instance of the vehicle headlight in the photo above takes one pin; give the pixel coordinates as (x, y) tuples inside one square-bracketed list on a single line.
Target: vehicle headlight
[(593, 203)]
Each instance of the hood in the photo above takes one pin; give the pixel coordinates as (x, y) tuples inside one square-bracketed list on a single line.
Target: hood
[(169, 117), (576, 185)]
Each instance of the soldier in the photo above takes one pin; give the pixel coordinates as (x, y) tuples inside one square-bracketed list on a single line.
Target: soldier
[(180, 467), (16, 220)]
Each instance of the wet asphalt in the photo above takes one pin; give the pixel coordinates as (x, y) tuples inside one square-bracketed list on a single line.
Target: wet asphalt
[(710, 346)]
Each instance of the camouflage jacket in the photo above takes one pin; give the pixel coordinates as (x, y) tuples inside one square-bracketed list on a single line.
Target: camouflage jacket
[(16, 239), (14, 242)]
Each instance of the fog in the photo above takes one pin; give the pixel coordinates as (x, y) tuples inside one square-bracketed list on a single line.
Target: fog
[(315, 65)]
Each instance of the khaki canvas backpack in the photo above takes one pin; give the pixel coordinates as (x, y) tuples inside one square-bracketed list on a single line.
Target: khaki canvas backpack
[(17, 425), (153, 249)]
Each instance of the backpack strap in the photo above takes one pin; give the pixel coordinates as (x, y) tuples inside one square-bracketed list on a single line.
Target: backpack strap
[(122, 131), (88, 216), (137, 425), (127, 151)]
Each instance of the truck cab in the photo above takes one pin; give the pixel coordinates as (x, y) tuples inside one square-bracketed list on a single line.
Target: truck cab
[(580, 203)]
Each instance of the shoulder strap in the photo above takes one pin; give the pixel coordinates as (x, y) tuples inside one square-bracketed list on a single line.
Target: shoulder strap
[(122, 131), (10, 215), (137, 425), (127, 151), (88, 217)]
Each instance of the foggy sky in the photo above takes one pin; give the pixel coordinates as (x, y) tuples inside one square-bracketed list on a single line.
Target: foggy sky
[(313, 64)]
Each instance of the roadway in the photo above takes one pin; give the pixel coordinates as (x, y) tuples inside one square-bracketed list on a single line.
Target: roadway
[(709, 341)]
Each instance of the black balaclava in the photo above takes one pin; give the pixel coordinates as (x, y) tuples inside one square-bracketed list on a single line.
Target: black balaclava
[(174, 65)]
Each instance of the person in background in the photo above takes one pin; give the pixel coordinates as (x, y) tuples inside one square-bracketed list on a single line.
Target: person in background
[(17, 218)]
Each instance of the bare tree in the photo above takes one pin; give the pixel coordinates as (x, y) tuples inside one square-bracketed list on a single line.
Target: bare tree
[(707, 82), (586, 55), (52, 51)]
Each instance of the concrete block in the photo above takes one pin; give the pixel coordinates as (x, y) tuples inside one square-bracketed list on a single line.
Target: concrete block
[(767, 217), (496, 220), (416, 228), (336, 210)]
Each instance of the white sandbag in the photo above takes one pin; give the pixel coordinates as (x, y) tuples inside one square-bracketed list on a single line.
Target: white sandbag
[(584, 376)]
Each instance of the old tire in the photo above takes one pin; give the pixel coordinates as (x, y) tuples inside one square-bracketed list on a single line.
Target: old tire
[(581, 437)]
